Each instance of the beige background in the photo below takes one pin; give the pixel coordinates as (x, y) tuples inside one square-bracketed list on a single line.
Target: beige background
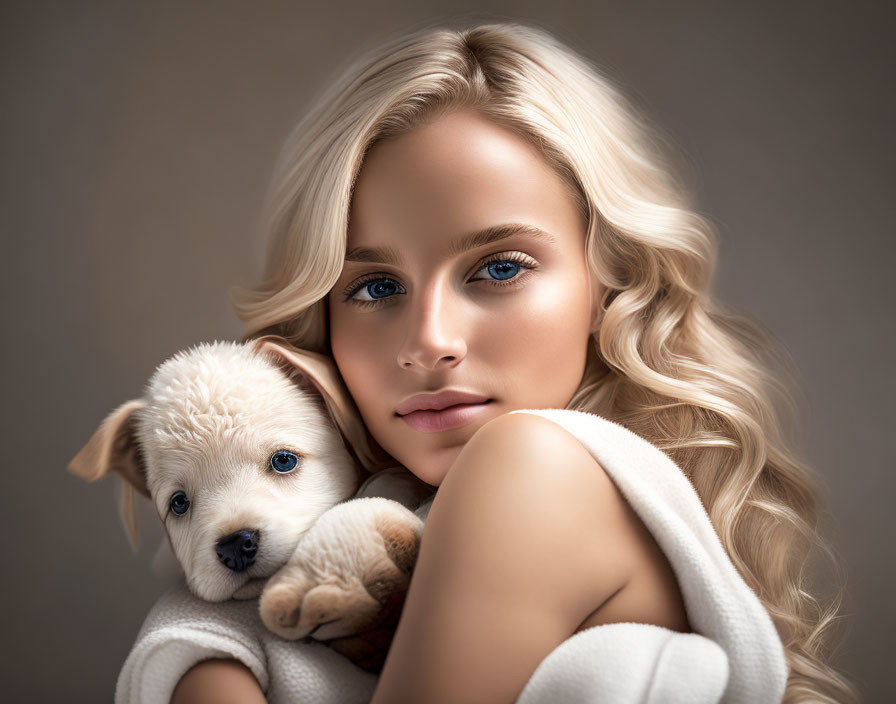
[(136, 144)]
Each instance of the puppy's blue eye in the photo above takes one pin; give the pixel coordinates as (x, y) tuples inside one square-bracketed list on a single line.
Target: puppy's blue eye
[(179, 503), (283, 461)]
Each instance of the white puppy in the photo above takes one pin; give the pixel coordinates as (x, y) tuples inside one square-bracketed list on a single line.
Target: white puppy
[(239, 448), (235, 446)]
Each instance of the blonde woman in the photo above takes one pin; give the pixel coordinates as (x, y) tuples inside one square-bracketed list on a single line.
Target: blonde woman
[(480, 212)]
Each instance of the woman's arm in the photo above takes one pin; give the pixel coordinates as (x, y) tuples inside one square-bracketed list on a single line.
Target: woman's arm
[(526, 538), (218, 682)]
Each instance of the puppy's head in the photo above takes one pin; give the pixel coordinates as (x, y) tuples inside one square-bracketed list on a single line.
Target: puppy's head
[(235, 444)]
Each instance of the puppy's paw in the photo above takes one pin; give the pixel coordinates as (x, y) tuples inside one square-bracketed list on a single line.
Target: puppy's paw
[(349, 573), (281, 601), (294, 605)]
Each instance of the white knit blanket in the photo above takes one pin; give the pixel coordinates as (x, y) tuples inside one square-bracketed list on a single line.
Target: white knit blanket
[(734, 656)]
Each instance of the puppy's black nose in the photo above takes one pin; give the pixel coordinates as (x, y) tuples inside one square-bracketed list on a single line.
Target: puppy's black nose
[(237, 550)]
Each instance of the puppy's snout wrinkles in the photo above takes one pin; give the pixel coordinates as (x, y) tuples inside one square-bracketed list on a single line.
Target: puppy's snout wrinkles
[(237, 551)]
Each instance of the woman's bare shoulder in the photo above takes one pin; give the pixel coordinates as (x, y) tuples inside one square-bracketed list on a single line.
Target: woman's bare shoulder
[(536, 453), (526, 539), (559, 470)]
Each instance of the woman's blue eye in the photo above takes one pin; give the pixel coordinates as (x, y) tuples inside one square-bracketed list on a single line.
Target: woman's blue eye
[(381, 288), (179, 503), (503, 269), (283, 461), (500, 270)]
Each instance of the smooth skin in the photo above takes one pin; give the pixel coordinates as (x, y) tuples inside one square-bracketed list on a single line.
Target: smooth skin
[(528, 540)]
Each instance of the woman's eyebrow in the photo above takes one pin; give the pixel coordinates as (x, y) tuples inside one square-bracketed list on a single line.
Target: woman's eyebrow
[(390, 255)]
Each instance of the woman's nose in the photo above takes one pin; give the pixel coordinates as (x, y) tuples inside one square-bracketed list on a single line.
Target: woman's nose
[(433, 338)]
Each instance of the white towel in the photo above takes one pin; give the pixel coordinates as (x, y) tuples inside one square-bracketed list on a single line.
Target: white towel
[(181, 630), (734, 657)]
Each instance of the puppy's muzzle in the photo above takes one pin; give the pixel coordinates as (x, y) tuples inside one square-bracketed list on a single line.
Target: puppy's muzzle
[(237, 551)]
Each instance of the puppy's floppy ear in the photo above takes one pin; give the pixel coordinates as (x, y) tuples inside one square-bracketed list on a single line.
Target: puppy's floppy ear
[(322, 373), (113, 447)]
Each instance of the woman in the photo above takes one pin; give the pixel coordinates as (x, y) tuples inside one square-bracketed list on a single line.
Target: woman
[(480, 211)]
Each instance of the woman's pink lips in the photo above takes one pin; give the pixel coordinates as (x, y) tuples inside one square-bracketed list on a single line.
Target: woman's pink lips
[(447, 419)]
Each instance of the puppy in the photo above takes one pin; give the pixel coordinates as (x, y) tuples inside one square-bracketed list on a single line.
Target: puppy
[(236, 446)]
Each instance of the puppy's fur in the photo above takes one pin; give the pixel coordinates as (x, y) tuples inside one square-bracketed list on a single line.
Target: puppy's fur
[(207, 425)]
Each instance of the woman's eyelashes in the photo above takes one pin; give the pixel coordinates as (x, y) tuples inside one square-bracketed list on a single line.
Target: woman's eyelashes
[(505, 269)]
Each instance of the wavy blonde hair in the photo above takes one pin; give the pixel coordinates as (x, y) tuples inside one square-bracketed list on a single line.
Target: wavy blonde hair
[(668, 361)]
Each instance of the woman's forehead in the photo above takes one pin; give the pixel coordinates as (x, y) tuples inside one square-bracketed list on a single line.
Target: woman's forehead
[(453, 178)]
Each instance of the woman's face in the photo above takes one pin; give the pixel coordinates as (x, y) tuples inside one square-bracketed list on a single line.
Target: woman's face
[(465, 271)]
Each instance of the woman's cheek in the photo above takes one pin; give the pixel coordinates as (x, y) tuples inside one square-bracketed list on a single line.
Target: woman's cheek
[(540, 320), (360, 368), (544, 343)]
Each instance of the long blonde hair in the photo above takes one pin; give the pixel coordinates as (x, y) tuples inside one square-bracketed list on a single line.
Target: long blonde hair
[(668, 362)]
